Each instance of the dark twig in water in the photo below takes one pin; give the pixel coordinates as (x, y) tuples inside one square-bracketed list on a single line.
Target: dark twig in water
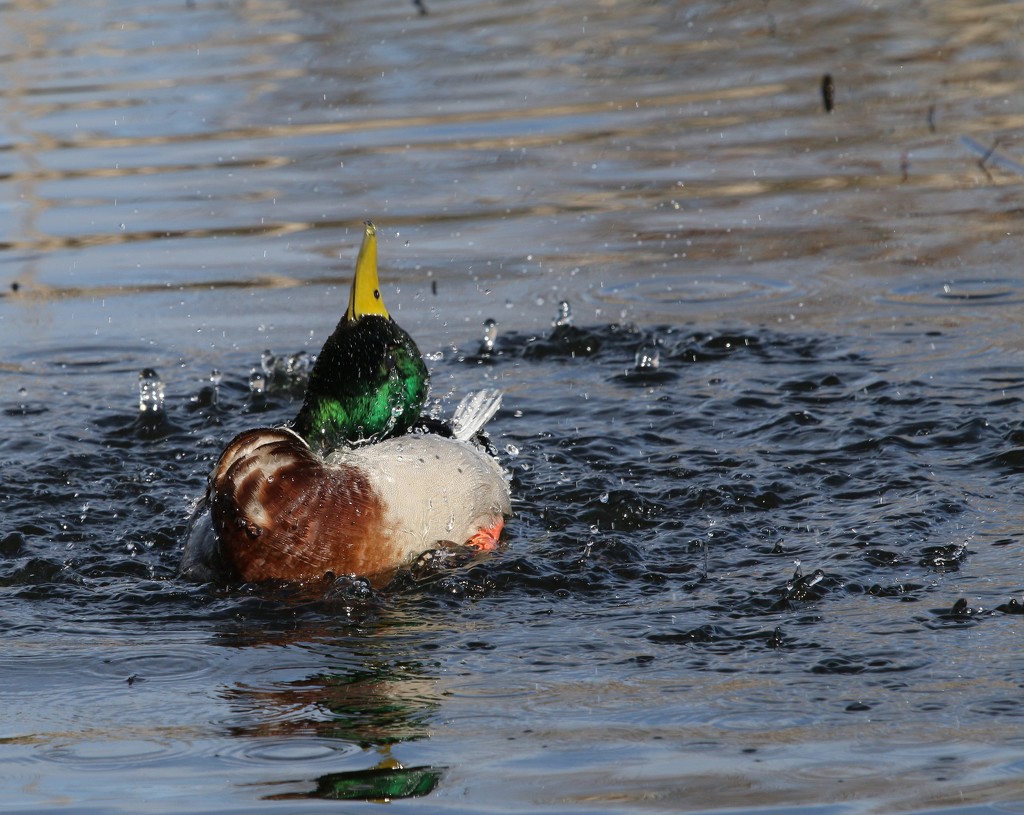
[(828, 92), (988, 153), (989, 156), (931, 118)]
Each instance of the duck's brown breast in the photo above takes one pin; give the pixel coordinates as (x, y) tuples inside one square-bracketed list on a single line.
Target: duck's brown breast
[(280, 513)]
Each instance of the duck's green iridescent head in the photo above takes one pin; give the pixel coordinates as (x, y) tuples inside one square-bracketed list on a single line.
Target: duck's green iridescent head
[(369, 382)]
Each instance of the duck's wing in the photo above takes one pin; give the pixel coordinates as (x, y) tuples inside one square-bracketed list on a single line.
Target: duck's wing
[(200, 560)]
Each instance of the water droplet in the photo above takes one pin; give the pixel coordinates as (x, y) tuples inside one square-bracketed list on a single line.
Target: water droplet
[(299, 364), (257, 383), (564, 316), (215, 380), (511, 449), (490, 335), (151, 391), (267, 363), (604, 498), (450, 525), (648, 358)]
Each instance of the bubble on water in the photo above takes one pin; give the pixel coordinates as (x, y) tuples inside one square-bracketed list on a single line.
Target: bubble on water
[(257, 382), (564, 316), (511, 449), (490, 335), (647, 359), (604, 498), (151, 391)]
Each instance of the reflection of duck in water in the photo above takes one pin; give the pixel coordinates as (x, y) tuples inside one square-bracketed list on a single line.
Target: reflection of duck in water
[(374, 697), (344, 491)]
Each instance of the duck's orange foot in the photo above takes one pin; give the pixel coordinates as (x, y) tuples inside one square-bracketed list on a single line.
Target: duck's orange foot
[(486, 540)]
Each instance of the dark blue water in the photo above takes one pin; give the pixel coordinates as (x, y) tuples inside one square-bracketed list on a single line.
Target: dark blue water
[(774, 547), (765, 552)]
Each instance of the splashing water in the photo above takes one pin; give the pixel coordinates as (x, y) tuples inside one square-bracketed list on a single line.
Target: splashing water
[(299, 364), (648, 358), (268, 362), (215, 379), (288, 372), (151, 391), (490, 335), (564, 316), (257, 382)]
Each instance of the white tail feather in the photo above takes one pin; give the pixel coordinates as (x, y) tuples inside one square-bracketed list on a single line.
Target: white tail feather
[(474, 411)]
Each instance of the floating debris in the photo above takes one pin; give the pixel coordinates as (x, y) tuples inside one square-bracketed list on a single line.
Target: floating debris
[(828, 92)]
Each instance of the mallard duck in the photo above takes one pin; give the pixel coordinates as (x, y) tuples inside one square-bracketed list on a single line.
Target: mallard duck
[(351, 487)]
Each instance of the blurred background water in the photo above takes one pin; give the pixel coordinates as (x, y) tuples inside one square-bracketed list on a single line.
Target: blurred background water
[(766, 553)]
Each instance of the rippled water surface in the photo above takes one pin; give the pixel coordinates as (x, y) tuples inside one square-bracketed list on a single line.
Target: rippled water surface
[(766, 551)]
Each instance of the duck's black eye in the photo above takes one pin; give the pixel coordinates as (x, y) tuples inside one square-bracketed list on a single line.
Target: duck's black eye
[(376, 294)]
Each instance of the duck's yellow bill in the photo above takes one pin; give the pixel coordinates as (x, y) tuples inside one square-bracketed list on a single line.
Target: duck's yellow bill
[(365, 297)]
